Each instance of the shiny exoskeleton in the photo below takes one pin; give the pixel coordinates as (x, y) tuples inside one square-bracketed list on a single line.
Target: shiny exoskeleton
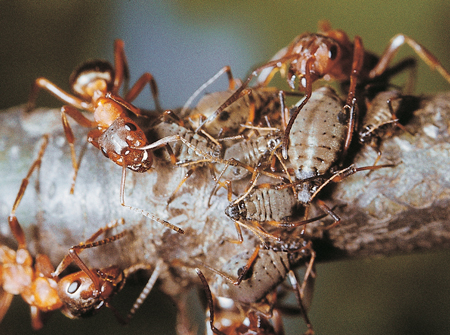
[(330, 54), (78, 294), (96, 86)]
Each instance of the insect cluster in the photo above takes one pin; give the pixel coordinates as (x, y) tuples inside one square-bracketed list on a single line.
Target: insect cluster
[(258, 168)]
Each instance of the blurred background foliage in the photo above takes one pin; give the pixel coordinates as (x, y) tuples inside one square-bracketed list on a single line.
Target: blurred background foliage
[(183, 43)]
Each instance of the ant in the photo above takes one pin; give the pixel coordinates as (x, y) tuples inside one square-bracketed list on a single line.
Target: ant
[(330, 54), (79, 294), (96, 84)]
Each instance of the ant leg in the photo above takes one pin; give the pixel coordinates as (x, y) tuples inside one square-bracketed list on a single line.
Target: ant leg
[(122, 73), (358, 59), (137, 88), (210, 301), (14, 225), (392, 48), (141, 211), (57, 92), (89, 243), (5, 302), (83, 121), (239, 93), (148, 287), (308, 92)]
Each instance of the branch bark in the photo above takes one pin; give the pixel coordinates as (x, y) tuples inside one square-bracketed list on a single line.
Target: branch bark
[(391, 210)]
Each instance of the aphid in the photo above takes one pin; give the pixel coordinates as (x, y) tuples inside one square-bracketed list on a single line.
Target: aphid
[(250, 152), (330, 54), (258, 275), (267, 204), (96, 85), (318, 145), (382, 115), (253, 106), (79, 294), (188, 148), (319, 137), (225, 318)]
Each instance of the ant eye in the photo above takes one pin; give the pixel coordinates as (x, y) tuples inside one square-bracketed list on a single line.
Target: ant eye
[(130, 127), (332, 54), (73, 287)]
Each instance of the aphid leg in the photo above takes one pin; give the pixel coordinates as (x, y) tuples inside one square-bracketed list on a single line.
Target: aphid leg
[(141, 211), (186, 176), (231, 86), (148, 287), (55, 91), (392, 48), (351, 111), (302, 222), (299, 295), (14, 225), (210, 301)]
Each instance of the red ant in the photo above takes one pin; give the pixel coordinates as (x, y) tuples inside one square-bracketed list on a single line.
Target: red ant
[(78, 294), (96, 85), (328, 55)]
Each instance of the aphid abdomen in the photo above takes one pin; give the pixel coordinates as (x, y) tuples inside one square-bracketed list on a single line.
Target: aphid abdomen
[(318, 134), (268, 271), (249, 153), (379, 116), (267, 204), (198, 145)]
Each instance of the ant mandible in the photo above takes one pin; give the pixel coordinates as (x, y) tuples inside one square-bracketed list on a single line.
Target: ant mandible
[(79, 294), (330, 54), (96, 86)]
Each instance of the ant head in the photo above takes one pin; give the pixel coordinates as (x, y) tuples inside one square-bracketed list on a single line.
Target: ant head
[(118, 141), (81, 297), (319, 56), (92, 76), (77, 292)]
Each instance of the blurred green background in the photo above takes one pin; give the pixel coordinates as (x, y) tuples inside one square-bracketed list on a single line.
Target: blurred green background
[(182, 43)]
